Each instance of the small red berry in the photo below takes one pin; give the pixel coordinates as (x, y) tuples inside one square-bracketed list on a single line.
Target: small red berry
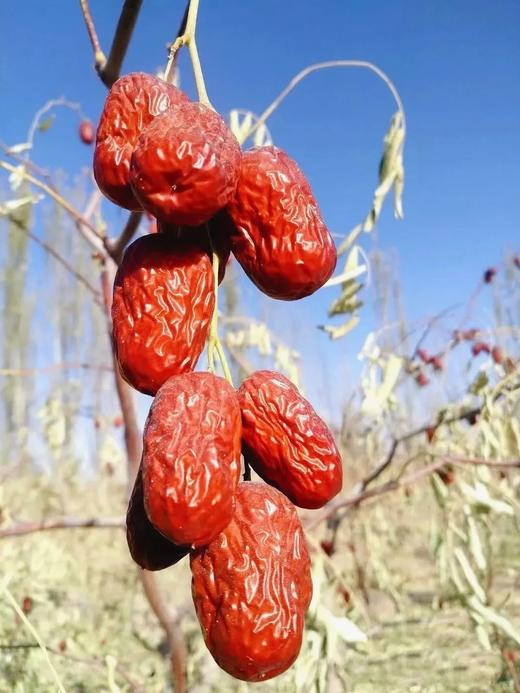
[(447, 475), (422, 379), (497, 354), (327, 546), (436, 363), (27, 605), (62, 646), (489, 275), (430, 433), (480, 348), (423, 355), (86, 132), (343, 592)]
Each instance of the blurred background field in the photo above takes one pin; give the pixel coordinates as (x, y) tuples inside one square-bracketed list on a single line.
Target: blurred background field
[(416, 565)]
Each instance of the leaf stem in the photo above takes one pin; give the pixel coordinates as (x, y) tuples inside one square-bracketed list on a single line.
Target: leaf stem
[(188, 39)]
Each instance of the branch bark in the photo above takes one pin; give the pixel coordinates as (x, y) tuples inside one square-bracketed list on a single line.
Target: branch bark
[(19, 529), (124, 30)]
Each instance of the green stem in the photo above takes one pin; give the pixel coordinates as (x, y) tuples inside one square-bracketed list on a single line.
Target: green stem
[(214, 343), (188, 39)]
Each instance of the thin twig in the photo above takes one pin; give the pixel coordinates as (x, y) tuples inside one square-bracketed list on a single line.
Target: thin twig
[(19, 529), (51, 192), (322, 66), (170, 620), (99, 57), (125, 27), (57, 256), (172, 51), (52, 103), (116, 247)]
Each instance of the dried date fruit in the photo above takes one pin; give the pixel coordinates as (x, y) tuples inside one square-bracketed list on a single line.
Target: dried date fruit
[(185, 165), (191, 458), (162, 306), (132, 103), (148, 547), (86, 132), (286, 442), (218, 229), (280, 238), (251, 586)]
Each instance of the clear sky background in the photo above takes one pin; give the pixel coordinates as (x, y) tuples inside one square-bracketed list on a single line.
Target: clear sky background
[(456, 65)]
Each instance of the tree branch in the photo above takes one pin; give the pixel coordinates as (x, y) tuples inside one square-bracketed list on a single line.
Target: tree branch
[(54, 253), (19, 529), (116, 247), (99, 57), (110, 71)]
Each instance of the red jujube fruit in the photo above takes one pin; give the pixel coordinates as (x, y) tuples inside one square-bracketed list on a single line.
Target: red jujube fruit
[(132, 103), (86, 132), (251, 586), (280, 239), (185, 165), (191, 458), (286, 442), (148, 548), (161, 310)]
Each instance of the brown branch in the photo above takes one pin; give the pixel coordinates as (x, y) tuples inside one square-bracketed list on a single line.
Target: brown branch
[(51, 192), (38, 170), (358, 498), (125, 27), (116, 247), (99, 57), (57, 256), (19, 529), (402, 481), (170, 621), (467, 415)]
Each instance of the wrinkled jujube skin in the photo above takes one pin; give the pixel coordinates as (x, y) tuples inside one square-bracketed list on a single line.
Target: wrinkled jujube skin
[(286, 442), (218, 228), (132, 103), (280, 238), (161, 310), (148, 548), (191, 458), (252, 586), (185, 165)]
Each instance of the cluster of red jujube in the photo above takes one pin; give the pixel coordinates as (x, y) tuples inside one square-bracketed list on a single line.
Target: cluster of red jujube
[(177, 160)]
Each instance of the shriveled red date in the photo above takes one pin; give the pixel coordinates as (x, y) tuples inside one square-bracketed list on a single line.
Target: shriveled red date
[(185, 165), (280, 240), (191, 458), (162, 306), (215, 235), (252, 586), (286, 442), (148, 548), (132, 103)]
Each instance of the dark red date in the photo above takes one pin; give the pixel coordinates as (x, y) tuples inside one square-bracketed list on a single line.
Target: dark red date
[(252, 585)]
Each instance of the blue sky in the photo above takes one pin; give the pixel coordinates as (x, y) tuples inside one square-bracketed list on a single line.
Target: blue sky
[(456, 65)]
